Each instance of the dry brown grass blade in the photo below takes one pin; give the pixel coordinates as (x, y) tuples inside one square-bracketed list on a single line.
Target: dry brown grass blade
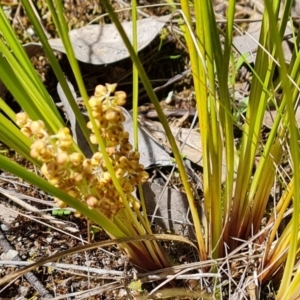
[(152, 237), (178, 292)]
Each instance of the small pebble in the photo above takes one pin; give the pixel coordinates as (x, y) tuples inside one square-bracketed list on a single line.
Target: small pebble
[(49, 239), (4, 227)]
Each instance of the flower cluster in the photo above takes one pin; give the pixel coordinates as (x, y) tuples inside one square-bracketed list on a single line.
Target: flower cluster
[(88, 179)]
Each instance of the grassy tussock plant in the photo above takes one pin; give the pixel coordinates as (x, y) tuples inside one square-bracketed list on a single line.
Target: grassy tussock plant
[(88, 179)]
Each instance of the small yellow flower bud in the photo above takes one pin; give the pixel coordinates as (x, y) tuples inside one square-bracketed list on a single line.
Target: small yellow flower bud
[(78, 178), (26, 131), (127, 187), (125, 136), (144, 176), (115, 115), (87, 167), (103, 123), (95, 103), (93, 139), (36, 148), (97, 114), (119, 173), (65, 145), (134, 164), (134, 155), (63, 133), (120, 98), (111, 87), (73, 193), (96, 159), (123, 161), (125, 148), (62, 157), (111, 115), (92, 201), (52, 167), (89, 125), (112, 141), (111, 151), (105, 178), (136, 205), (60, 203), (21, 119), (47, 153), (54, 180), (100, 90), (37, 126), (76, 158), (77, 214)]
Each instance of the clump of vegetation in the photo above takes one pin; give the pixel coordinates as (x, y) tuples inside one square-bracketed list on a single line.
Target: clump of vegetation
[(100, 188)]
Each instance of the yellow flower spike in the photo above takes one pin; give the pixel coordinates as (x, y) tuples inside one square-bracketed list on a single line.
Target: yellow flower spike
[(41, 135), (121, 117), (117, 130), (111, 193), (134, 164), (104, 205)]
